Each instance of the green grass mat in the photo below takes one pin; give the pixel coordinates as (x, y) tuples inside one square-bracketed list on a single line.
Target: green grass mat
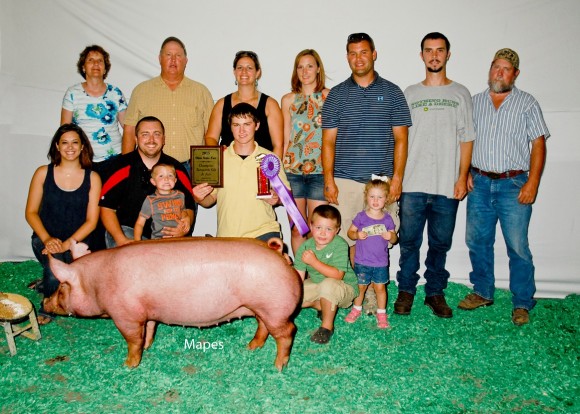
[(475, 362)]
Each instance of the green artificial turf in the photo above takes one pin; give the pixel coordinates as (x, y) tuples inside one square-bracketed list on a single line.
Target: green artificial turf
[(475, 362)]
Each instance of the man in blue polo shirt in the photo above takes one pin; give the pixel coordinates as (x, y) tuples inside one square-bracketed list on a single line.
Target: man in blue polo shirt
[(506, 167), (365, 122)]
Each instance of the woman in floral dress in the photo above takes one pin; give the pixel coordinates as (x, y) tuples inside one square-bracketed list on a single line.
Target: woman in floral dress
[(302, 114)]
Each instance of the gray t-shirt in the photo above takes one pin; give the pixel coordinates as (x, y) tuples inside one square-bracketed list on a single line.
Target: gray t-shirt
[(442, 118)]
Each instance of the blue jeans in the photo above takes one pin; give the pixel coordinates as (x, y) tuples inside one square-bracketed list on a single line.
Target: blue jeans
[(490, 201), (439, 212), (49, 283), (129, 233)]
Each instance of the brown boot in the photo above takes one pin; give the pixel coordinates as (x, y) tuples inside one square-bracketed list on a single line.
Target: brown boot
[(474, 301), (520, 316), (439, 306), (404, 303)]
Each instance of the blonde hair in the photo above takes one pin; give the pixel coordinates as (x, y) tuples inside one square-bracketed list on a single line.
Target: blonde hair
[(163, 165), (380, 184)]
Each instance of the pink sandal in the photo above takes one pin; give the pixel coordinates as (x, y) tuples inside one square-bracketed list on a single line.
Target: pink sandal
[(382, 321), (353, 315)]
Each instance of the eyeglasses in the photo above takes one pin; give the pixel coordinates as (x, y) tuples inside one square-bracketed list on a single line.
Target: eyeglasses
[(358, 37)]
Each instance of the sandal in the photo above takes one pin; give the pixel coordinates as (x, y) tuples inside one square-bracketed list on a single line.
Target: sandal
[(44, 318), (32, 285), (322, 335)]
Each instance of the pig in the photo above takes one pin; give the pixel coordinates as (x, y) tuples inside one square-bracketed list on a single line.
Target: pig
[(190, 281)]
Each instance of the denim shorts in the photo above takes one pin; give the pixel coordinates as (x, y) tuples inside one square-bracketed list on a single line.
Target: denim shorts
[(268, 236), (309, 186), (368, 274)]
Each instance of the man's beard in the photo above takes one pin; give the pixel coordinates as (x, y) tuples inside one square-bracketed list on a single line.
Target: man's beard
[(434, 70), (499, 86)]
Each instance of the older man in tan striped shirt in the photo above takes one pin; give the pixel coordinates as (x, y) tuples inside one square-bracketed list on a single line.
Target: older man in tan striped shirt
[(182, 104)]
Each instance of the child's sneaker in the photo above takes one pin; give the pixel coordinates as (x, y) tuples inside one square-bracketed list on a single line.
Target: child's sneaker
[(382, 321), (353, 315)]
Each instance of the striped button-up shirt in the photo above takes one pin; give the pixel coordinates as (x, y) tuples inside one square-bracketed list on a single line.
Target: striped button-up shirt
[(503, 136)]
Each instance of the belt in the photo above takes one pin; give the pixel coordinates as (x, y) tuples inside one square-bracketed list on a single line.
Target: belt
[(498, 176)]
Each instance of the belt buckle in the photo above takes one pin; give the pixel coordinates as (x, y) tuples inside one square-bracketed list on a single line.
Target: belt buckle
[(494, 175)]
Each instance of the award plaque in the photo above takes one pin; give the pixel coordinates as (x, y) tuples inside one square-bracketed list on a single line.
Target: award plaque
[(207, 165)]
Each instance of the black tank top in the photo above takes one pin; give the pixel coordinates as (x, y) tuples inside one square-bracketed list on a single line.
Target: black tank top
[(262, 136), (63, 212)]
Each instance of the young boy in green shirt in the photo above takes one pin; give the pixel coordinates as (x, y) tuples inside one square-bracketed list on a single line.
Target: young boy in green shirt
[(332, 283)]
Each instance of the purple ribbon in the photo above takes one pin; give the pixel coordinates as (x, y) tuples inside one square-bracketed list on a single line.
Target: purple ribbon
[(270, 166)]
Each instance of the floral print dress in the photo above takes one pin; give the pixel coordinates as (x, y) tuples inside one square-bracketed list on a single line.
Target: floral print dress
[(305, 147)]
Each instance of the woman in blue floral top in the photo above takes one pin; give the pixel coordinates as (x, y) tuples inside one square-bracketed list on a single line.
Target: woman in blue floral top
[(302, 112), (97, 107)]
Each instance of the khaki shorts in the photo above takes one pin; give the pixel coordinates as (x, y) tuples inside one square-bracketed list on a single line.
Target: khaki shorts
[(351, 200), (335, 291), (350, 203)]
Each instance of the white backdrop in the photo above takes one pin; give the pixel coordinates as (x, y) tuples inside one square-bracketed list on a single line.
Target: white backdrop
[(41, 40)]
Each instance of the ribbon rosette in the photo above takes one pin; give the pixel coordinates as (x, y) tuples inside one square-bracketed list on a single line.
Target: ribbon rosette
[(270, 166)]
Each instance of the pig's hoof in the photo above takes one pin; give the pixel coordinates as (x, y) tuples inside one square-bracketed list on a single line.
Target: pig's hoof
[(255, 344), (131, 363), (281, 364)]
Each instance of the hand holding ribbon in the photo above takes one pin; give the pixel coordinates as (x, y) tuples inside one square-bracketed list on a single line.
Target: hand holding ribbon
[(270, 166)]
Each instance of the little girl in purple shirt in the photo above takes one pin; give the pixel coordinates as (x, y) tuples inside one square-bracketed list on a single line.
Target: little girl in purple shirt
[(373, 229)]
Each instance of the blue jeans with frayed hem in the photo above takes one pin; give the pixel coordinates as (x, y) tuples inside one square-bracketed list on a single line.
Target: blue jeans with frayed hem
[(439, 213), (489, 202)]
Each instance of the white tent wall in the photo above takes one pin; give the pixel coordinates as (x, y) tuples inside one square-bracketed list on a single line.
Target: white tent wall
[(40, 42)]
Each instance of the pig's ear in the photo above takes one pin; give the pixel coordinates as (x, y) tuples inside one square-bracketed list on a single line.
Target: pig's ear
[(276, 244), (62, 271)]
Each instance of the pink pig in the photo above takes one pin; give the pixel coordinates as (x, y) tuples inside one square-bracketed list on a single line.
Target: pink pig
[(189, 282)]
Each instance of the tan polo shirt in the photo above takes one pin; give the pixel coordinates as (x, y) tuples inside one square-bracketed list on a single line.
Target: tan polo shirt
[(239, 212), (184, 112)]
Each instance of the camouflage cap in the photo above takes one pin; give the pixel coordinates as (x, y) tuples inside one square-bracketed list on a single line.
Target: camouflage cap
[(509, 55)]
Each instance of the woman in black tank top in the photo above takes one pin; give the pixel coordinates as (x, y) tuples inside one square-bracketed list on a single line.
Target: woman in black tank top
[(63, 203), (269, 135)]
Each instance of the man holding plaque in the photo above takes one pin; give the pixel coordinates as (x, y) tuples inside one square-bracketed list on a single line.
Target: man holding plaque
[(127, 182), (245, 203)]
